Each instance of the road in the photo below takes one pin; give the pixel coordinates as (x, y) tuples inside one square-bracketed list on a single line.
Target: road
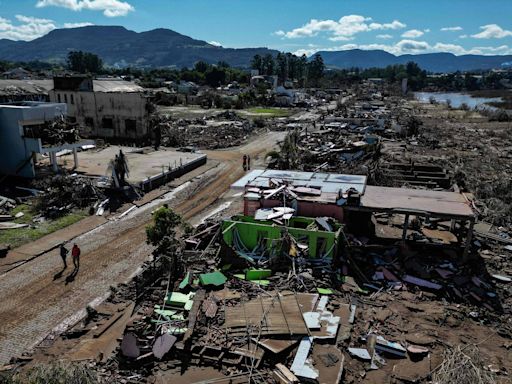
[(34, 303)]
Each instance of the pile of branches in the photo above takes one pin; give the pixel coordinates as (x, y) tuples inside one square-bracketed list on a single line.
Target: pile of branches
[(62, 193), (463, 365)]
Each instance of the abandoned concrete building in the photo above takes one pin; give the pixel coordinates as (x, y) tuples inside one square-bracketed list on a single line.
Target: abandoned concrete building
[(22, 137), (104, 108)]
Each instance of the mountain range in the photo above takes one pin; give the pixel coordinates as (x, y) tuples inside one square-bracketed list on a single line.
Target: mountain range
[(433, 62), (118, 46)]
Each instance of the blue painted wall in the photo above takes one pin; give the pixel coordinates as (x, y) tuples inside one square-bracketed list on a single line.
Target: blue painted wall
[(14, 148)]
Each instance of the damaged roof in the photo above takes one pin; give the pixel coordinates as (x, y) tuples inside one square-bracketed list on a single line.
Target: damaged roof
[(416, 200), (326, 182)]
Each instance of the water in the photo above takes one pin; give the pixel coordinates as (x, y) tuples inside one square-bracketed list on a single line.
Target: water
[(457, 99)]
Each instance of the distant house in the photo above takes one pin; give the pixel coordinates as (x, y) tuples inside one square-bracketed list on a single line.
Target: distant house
[(187, 88), (17, 74), (104, 108)]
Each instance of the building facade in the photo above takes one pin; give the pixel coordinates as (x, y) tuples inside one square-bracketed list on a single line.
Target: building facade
[(19, 139), (104, 108)]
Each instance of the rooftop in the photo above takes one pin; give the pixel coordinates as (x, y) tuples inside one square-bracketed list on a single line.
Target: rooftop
[(326, 182)]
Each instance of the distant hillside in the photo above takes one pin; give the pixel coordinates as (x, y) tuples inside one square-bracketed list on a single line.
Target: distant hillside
[(119, 46), (434, 62), (163, 47)]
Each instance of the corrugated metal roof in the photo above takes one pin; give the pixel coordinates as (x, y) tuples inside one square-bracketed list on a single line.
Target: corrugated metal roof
[(42, 87), (403, 199), (115, 85), (25, 87)]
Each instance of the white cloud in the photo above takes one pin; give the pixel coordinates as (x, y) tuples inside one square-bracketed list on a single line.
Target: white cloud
[(412, 34), (463, 36), (492, 31), (412, 46), (384, 36), (342, 30), (451, 29), (77, 25), (30, 28), (110, 8), (29, 19), (215, 43)]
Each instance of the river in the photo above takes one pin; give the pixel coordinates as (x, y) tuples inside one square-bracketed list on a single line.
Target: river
[(457, 99)]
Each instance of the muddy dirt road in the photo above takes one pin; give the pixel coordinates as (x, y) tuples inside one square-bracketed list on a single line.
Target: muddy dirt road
[(35, 302)]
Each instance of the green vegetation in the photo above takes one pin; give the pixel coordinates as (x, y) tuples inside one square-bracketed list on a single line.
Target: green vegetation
[(290, 67), (162, 234), (269, 112), (84, 62), (20, 236)]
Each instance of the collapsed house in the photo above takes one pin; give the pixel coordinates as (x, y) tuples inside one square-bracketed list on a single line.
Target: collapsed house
[(104, 108), (348, 199), (31, 128), (13, 90)]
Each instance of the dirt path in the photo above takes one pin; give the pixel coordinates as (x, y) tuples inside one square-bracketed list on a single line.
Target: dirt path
[(33, 303)]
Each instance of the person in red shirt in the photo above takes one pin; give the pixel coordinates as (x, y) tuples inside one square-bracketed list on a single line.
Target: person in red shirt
[(75, 253)]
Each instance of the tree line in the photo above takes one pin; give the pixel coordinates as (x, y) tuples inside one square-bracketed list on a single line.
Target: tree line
[(287, 66)]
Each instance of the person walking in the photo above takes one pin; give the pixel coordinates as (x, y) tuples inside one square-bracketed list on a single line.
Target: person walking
[(64, 254), (75, 253), (249, 162)]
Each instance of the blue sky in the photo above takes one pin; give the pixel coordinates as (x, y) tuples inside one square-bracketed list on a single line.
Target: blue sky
[(299, 26)]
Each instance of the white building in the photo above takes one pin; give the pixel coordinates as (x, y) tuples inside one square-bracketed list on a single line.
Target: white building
[(104, 108)]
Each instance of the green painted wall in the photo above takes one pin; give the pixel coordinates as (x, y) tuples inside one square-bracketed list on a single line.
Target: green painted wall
[(251, 231)]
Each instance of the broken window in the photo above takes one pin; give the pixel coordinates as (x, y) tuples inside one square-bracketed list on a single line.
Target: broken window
[(66, 98), (72, 99), (58, 98), (107, 123), (130, 125), (33, 130)]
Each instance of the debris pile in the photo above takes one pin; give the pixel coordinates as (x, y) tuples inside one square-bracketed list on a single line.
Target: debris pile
[(224, 130), (55, 132), (62, 193)]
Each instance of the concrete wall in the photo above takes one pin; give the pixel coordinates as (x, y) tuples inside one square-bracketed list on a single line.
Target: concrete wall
[(127, 112), (15, 149)]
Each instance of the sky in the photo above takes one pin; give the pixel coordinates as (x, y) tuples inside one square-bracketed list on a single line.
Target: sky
[(298, 26)]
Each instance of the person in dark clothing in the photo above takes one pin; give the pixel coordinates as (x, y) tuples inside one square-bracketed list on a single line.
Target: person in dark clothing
[(249, 162), (244, 162), (64, 254), (75, 253)]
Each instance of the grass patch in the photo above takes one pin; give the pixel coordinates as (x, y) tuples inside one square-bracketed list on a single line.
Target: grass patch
[(270, 112), (20, 236)]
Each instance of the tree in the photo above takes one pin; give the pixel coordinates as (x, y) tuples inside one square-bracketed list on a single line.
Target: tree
[(281, 66), (201, 66), (84, 62), (215, 77), (257, 63), (268, 65), (316, 68), (162, 234)]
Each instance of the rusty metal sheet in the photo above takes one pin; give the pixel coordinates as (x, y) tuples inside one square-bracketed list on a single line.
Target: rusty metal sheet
[(433, 202)]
